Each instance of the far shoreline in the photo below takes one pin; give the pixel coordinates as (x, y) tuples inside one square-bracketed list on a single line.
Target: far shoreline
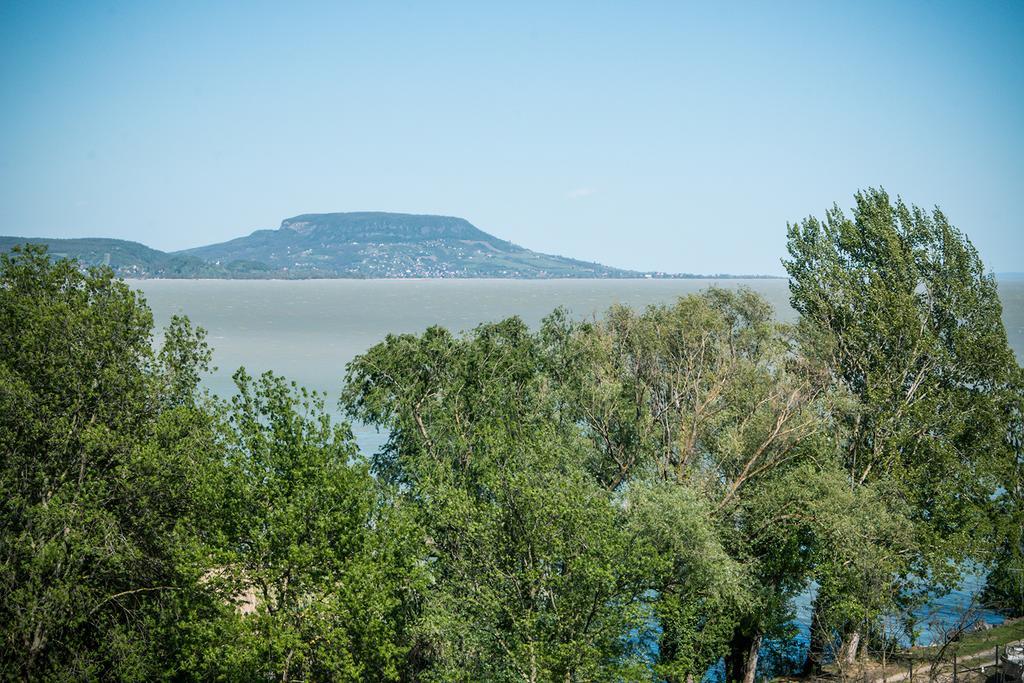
[(454, 279)]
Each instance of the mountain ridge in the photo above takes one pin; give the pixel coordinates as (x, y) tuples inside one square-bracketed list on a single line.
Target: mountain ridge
[(361, 244), (383, 244)]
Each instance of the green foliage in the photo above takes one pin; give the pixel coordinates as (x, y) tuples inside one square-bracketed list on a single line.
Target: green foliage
[(712, 399), (700, 589), (151, 533), (314, 564), (687, 429), (909, 324), (91, 506), (1004, 588), (916, 335), (633, 497), (538, 573)]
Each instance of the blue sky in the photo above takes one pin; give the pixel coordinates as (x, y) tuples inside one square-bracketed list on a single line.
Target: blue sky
[(657, 136)]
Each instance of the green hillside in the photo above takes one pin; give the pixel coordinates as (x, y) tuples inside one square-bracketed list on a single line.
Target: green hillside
[(135, 260), (370, 244), (337, 245)]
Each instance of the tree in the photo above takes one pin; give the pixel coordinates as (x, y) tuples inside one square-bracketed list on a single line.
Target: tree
[(314, 565), (1004, 586), (911, 328), (95, 511), (151, 532), (538, 573), (712, 397)]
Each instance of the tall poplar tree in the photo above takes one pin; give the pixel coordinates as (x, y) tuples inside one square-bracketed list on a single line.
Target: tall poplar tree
[(911, 327)]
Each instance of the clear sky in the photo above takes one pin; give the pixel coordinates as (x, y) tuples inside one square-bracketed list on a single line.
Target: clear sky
[(656, 136)]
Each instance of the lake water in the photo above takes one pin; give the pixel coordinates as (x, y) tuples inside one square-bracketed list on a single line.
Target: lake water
[(308, 330)]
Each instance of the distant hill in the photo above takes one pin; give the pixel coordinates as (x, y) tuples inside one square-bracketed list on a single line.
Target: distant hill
[(134, 260), (390, 245), (338, 245)]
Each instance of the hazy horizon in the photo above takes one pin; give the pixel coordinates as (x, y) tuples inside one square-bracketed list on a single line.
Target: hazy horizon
[(656, 137)]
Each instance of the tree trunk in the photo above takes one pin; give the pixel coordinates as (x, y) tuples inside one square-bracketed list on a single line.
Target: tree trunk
[(735, 660), (752, 655), (851, 644), (818, 642), (741, 662)]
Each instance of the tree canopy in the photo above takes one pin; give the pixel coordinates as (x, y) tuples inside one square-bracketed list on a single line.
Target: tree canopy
[(638, 496), (910, 325)]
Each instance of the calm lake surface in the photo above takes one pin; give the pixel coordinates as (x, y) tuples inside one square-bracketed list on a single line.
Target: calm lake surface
[(308, 330)]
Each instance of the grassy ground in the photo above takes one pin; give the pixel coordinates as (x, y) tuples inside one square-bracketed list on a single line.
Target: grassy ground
[(973, 643), (972, 649)]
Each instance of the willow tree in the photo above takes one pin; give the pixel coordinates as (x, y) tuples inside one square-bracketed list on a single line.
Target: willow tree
[(911, 327), (711, 398), (536, 571)]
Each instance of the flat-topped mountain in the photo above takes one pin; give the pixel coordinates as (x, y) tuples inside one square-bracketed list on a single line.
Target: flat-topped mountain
[(337, 245), (373, 244), (370, 226)]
